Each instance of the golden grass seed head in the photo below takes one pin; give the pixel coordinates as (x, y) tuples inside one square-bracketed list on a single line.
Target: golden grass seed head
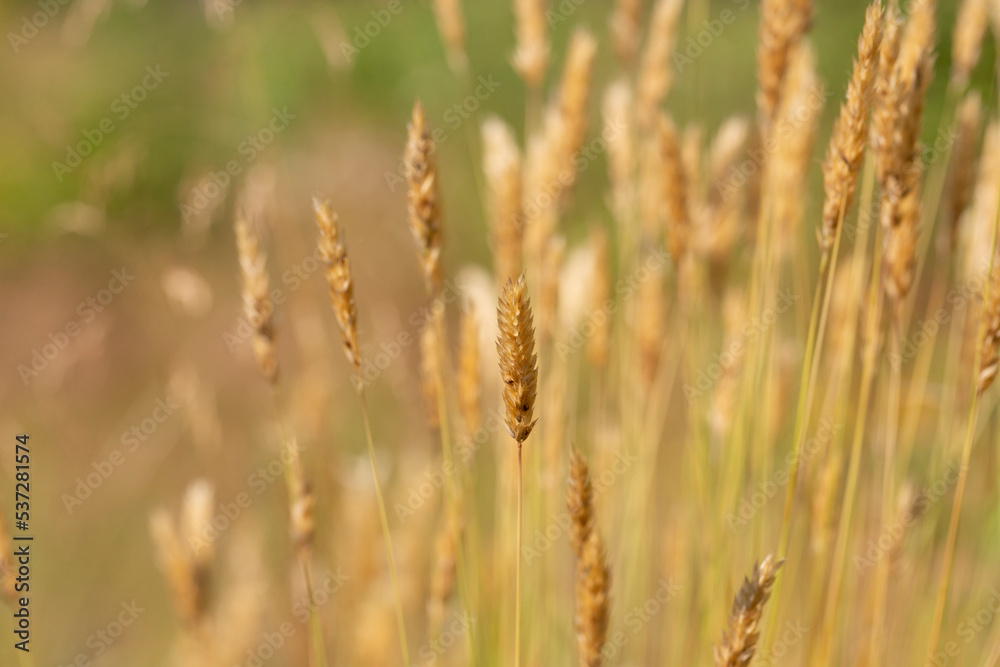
[(257, 305), (656, 71), (502, 167), (626, 30), (845, 154), (451, 24), (783, 23), (593, 603), (423, 200), (740, 642), (518, 363), (962, 168), (579, 502), (675, 189), (531, 55), (337, 267), (970, 28)]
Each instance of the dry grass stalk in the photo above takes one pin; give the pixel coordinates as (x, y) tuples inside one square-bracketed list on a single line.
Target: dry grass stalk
[(626, 30), (430, 367), (531, 56), (739, 644), (593, 577), (599, 343), (333, 250), (675, 189), (846, 152), (451, 24), (422, 197), (964, 156), (783, 23), (651, 316), (656, 71), (443, 577), (470, 379), (257, 303), (518, 363), (502, 166), (967, 42)]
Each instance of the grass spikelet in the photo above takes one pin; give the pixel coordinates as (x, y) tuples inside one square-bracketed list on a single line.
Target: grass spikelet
[(967, 42), (739, 644), (675, 189), (626, 30), (181, 555), (422, 198), (962, 170), (782, 25), (502, 166), (599, 343), (574, 94), (593, 578), (886, 113), (616, 108), (847, 145), (333, 251), (531, 56), (256, 298), (518, 363), (656, 71), (451, 24), (990, 363)]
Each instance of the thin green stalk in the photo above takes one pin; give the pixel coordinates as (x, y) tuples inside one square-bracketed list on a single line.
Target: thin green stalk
[(875, 647), (517, 575), (400, 622), (829, 621), (963, 472)]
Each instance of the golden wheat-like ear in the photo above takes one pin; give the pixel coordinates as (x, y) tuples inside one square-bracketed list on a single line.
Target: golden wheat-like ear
[(740, 642), (257, 305), (333, 251), (846, 151), (518, 363), (423, 201)]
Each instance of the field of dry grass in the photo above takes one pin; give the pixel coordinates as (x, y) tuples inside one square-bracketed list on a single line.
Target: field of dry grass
[(648, 332)]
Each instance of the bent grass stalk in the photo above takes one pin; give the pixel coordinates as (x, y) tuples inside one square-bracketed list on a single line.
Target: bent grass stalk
[(400, 621), (941, 603)]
